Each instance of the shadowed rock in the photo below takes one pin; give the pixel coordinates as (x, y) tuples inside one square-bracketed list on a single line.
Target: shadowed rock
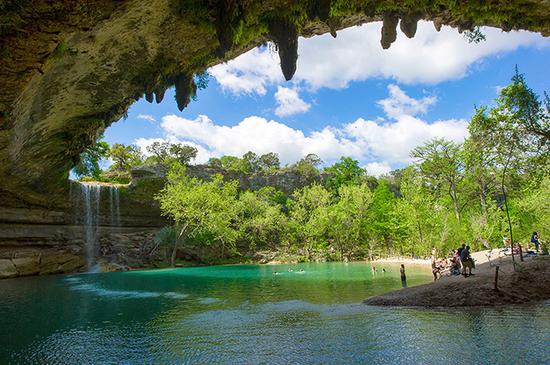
[(285, 36), (389, 29), (319, 9), (185, 89), (227, 13), (333, 24), (409, 23), (159, 94), (438, 22)]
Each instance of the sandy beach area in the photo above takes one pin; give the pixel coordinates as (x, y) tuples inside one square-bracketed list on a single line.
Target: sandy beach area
[(529, 283)]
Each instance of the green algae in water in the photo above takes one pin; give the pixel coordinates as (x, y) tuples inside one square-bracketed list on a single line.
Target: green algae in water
[(249, 314)]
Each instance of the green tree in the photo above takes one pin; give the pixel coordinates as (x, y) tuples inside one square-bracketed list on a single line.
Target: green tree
[(516, 132), (349, 219), (88, 164), (440, 162), (309, 217), (182, 153), (124, 158), (269, 161), (201, 210), (383, 215), (166, 152), (250, 162), (260, 221), (344, 172), (308, 167)]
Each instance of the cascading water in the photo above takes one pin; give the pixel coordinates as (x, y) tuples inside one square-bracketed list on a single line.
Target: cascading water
[(117, 206), (88, 203), (91, 197)]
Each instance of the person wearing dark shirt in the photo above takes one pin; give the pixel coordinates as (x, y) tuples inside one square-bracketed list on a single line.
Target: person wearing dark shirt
[(535, 241), (466, 261), (403, 276)]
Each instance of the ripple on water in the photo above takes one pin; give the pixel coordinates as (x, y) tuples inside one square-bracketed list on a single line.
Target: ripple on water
[(78, 285)]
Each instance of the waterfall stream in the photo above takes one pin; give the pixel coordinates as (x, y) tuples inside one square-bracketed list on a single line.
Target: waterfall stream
[(88, 203)]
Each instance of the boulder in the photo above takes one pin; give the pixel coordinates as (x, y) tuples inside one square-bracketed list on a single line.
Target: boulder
[(112, 267), (54, 264), (7, 269), (77, 263), (27, 265)]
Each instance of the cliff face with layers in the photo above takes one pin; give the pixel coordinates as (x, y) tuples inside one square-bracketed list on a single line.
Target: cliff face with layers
[(68, 69), (118, 225)]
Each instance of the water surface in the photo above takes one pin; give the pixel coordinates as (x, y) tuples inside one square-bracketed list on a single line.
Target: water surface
[(247, 314)]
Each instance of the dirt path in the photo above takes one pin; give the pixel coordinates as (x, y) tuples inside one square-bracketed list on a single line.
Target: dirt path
[(530, 283)]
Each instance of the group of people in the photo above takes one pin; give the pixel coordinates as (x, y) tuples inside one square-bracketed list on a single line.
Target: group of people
[(458, 262), (531, 248)]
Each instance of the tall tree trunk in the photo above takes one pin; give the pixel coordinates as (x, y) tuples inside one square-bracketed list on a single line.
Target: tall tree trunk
[(507, 211), (455, 203)]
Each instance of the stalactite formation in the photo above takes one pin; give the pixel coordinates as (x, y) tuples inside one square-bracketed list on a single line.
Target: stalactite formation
[(285, 36)]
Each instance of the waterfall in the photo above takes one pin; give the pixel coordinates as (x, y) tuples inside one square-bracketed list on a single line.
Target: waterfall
[(91, 197), (117, 205), (114, 205), (87, 204)]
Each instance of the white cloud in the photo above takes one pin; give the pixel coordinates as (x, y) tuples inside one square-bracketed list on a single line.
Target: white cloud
[(392, 142), (256, 134), (380, 145), (398, 103), (430, 57), (147, 117), (378, 168), (249, 73), (289, 102)]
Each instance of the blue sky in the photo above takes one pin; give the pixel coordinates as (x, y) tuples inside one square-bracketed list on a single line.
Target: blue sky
[(348, 97)]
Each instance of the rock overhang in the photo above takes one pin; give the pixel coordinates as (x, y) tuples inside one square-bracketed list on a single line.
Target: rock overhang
[(71, 68)]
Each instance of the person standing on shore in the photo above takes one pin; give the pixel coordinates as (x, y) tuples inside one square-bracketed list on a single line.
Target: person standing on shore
[(403, 276), (459, 257), (535, 241), (466, 261)]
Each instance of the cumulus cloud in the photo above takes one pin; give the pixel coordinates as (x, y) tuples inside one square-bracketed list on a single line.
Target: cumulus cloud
[(398, 103), (393, 141), (147, 117), (380, 145), (355, 55), (249, 73), (378, 168), (289, 102)]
